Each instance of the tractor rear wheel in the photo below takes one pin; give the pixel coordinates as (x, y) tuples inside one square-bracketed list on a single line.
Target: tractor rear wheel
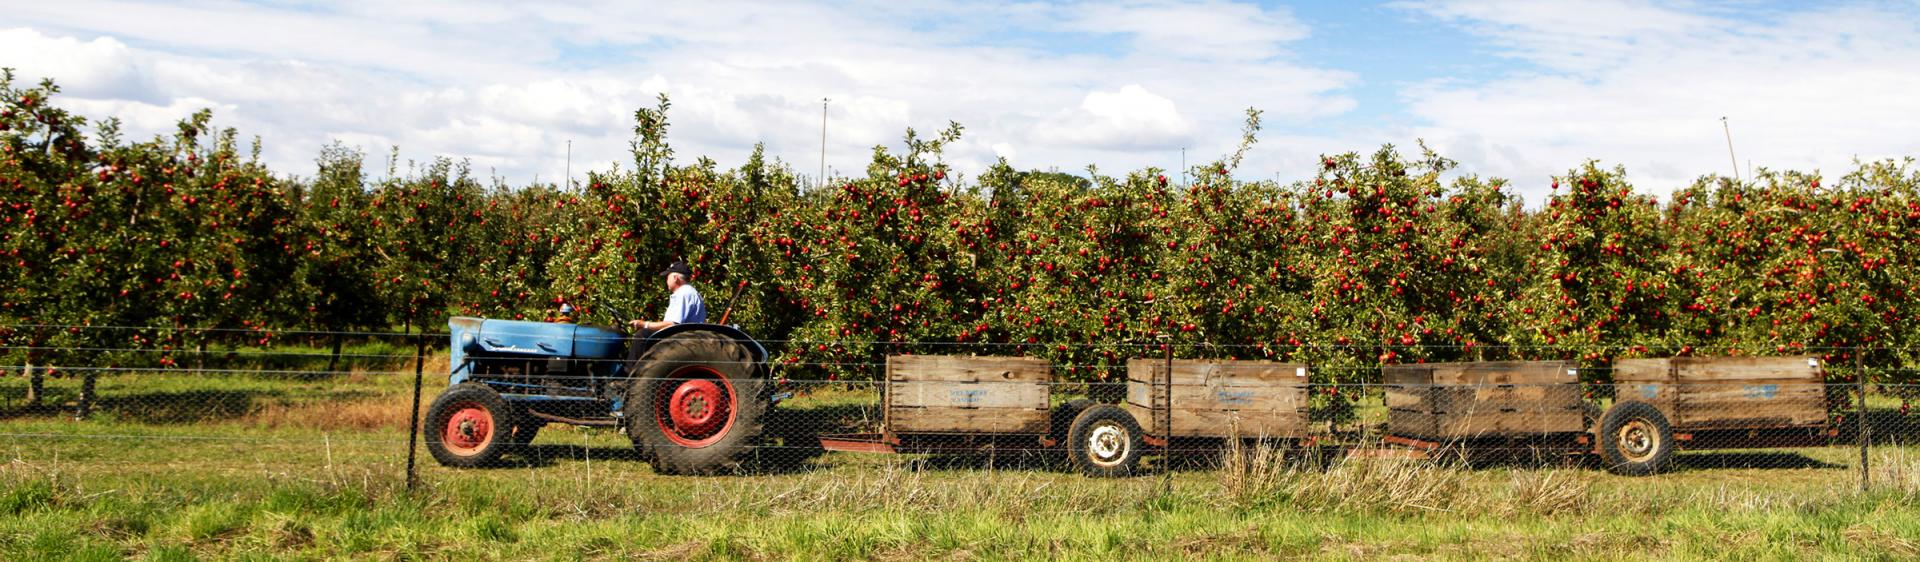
[(695, 404), (469, 426)]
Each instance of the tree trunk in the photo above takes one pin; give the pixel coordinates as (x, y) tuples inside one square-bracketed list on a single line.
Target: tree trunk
[(334, 363), (36, 385), (86, 397)]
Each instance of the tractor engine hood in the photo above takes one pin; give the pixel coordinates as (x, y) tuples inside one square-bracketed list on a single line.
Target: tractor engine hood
[(544, 339)]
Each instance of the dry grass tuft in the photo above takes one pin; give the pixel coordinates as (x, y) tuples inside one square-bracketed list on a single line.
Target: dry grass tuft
[(1548, 492), (1251, 475), (360, 415), (1378, 486), (1895, 468)]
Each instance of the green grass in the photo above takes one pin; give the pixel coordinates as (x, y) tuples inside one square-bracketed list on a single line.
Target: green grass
[(278, 471)]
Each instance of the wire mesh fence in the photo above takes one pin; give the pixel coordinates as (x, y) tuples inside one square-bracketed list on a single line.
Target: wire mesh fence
[(345, 407)]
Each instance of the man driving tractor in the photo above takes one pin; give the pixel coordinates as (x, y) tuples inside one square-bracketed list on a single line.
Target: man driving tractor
[(684, 305)]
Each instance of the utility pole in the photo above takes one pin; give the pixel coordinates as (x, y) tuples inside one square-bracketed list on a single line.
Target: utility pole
[(1183, 166), (569, 164), (1730, 157), (823, 141)]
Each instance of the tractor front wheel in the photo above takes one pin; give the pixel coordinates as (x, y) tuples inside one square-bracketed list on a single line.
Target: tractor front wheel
[(695, 405), (469, 426)]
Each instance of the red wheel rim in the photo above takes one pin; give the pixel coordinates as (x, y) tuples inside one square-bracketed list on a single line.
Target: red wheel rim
[(694, 407), (469, 430)]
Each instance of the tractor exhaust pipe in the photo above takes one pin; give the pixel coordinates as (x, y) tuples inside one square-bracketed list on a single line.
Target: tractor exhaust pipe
[(730, 299)]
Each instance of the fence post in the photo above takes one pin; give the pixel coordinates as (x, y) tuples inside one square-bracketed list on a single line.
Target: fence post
[(1166, 426), (36, 389), (87, 395), (1860, 386), (413, 431)]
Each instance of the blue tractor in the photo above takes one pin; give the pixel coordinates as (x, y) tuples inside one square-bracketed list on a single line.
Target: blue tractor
[(694, 398)]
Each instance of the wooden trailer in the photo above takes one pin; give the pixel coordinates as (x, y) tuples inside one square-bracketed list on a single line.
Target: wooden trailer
[(1201, 403), (1661, 405), (1504, 404), (952, 404)]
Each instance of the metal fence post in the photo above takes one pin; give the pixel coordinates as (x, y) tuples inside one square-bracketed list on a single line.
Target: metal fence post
[(413, 427), (1166, 425), (1860, 386)]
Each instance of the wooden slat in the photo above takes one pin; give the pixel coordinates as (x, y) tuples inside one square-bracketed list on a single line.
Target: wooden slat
[(1452, 399), (1486, 424), (960, 368), (1501, 372), (1661, 395), (942, 394), (1485, 372), (1419, 374), (1637, 370), (1237, 398), (1144, 370), (1412, 397), (1139, 394), (1143, 415), (1229, 373), (1221, 423), (954, 420), (1708, 369)]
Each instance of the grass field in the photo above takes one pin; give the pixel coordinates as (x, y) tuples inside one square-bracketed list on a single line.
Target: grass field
[(278, 467)]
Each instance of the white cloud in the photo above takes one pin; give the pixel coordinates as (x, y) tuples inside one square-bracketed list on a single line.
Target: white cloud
[(508, 84), (1646, 87), (1207, 30), (1128, 119), (102, 67)]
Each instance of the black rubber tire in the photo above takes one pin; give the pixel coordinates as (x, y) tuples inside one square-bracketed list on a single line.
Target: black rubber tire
[(1062, 419), (663, 368), (1123, 448), (499, 416), (1635, 439)]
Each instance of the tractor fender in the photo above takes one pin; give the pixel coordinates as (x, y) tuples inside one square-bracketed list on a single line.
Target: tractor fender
[(736, 334)]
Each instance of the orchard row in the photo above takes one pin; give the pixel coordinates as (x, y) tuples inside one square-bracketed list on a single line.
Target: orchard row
[(1377, 259)]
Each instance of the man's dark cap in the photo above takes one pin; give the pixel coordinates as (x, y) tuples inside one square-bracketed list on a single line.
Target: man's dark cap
[(680, 268)]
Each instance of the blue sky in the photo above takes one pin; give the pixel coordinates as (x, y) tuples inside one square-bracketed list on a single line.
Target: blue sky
[(1521, 90)]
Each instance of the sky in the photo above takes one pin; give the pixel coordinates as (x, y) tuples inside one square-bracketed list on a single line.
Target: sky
[(1521, 90)]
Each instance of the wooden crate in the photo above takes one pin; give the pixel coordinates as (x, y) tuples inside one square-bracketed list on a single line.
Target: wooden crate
[(953, 394), (1486, 399), (1727, 392), (1219, 398)]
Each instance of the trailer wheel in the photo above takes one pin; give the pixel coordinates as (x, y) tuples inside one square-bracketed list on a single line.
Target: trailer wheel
[(695, 405), (1635, 439), (467, 427), (1104, 441)]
